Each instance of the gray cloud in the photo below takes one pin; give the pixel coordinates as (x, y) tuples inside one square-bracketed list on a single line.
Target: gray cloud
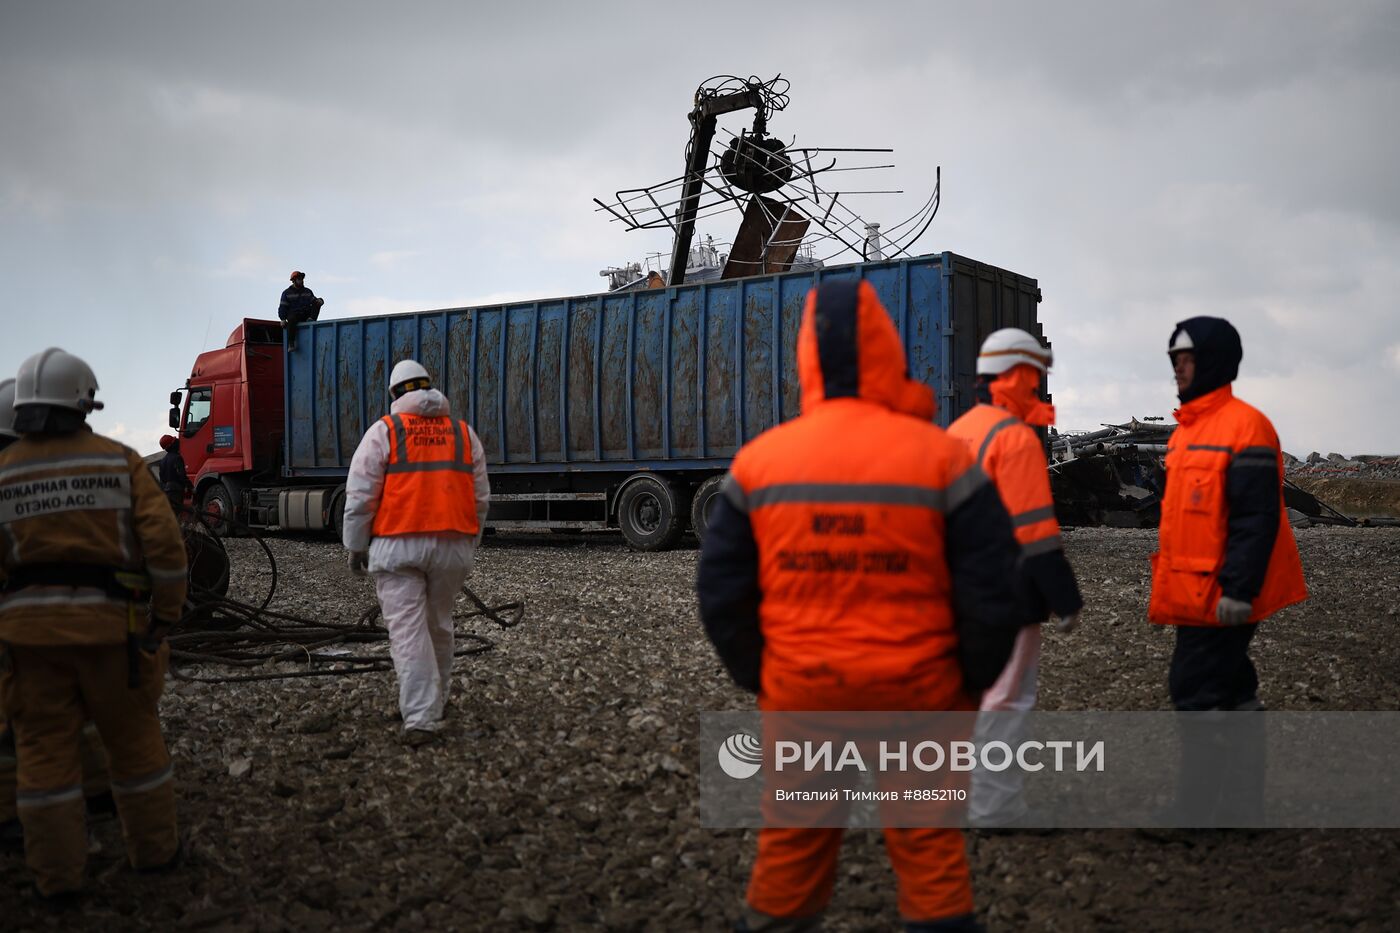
[(165, 164)]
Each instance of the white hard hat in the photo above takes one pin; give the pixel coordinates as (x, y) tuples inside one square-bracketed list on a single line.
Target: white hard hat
[(7, 408), (1182, 341), (56, 378), (407, 376), (1009, 347)]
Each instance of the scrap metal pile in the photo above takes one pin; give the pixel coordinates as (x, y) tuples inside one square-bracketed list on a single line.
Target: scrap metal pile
[(1113, 476)]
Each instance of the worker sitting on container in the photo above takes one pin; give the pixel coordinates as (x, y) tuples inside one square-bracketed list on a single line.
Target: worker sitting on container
[(897, 598), (174, 477), (1227, 559), (93, 579), (298, 305), (998, 433), (415, 505)]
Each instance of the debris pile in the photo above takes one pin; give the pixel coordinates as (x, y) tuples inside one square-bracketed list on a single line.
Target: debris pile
[(1113, 476), (1363, 466)]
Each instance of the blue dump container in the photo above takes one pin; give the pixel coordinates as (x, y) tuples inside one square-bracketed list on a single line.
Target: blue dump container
[(623, 410)]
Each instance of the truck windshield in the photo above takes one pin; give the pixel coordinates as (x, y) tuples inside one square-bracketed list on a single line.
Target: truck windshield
[(200, 401)]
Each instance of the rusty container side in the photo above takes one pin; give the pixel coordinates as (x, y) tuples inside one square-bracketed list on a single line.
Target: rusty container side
[(675, 378)]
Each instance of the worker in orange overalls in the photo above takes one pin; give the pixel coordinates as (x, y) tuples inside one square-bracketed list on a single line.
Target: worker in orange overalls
[(415, 505), (916, 632), (999, 434), (1226, 560), (94, 576)]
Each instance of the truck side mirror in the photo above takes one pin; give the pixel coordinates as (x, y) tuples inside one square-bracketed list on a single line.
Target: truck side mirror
[(175, 418), (175, 399)]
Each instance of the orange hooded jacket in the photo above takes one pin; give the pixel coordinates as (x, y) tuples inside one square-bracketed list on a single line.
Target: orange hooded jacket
[(1000, 438), (1219, 439), (858, 554)]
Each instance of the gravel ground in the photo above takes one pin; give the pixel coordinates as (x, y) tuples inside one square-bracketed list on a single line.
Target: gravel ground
[(564, 793)]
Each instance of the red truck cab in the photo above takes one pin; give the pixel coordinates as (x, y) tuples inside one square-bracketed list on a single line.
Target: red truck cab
[(231, 425)]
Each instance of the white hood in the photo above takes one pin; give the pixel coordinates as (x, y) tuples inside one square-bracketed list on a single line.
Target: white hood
[(427, 402)]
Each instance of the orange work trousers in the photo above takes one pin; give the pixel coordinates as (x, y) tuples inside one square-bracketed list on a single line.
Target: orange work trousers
[(796, 870), (48, 693)]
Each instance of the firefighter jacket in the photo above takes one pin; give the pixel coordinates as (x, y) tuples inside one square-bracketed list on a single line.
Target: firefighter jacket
[(1224, 529), (417, 471), (857, 558), (1013, 457), (81, 519)]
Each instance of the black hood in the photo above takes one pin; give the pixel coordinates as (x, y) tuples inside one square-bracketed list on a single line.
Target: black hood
[(1216, 344)]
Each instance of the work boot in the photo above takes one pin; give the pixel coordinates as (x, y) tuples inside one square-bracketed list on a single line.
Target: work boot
[(752, 921), (175, 862), (417, 738)]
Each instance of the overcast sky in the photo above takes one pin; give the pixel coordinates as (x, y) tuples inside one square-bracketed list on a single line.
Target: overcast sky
[(165, 165)]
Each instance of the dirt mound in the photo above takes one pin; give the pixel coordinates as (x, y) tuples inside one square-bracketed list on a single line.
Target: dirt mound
[(1356, 497)]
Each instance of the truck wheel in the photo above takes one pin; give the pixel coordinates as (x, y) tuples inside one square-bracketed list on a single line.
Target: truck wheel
[(216, 506), (338, 516), (700, 505), (648, 514)]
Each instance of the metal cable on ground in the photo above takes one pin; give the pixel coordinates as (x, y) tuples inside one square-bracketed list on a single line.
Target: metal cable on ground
[(217, 629)]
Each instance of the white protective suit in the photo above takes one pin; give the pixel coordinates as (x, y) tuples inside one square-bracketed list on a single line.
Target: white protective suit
[(417, 577), (996, 798)]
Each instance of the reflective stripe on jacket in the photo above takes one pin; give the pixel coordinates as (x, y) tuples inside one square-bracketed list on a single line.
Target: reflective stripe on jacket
[(81, 499), (1224, 528), (1011, 454), (428, 485)]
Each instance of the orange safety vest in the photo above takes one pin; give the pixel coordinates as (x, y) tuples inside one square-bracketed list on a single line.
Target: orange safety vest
[(1214, 431), (428, 481), (1011, 455)]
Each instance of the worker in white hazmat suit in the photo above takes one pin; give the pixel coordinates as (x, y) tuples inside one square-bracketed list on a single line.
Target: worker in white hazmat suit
[(415, 505)]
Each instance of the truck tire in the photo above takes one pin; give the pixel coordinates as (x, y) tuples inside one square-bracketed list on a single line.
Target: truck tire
[(649, 514), (215, 504), (700, 505), (337, 516)]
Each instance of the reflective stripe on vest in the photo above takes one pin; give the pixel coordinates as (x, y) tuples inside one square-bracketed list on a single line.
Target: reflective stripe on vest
[(424, 491)]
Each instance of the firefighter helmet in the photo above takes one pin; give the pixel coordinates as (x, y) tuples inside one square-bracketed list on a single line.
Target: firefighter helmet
[(1010, 347), (56, 378), (7, 408)]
